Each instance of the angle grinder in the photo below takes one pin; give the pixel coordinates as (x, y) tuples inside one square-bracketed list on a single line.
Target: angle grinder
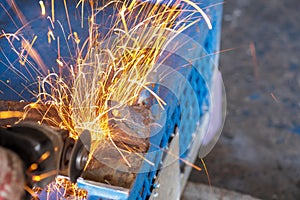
[(46, 152)]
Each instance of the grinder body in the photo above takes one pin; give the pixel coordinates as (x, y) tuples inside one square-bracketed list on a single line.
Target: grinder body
[(44, 152)]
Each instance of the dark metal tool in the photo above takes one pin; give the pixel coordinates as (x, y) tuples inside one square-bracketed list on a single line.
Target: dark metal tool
[(46, 151)]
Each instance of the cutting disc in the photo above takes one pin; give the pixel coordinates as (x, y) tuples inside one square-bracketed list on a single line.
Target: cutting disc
[(79, 155)]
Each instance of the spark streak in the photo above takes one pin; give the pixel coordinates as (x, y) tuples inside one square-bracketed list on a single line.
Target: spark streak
[(52, 10), (40, 177), (207, 20), (275, 98), (43, 11), (28, 47), (50, 36), (254, 59), (10, 114)]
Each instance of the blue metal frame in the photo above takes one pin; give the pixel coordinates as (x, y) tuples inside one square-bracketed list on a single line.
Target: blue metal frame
[(199, 76)]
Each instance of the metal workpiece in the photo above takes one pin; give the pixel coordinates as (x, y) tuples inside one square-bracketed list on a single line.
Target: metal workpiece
[(118, 161)]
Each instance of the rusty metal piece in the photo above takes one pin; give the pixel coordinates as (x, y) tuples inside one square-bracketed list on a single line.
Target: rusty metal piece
[(130, 127), (108, 166), (130, 130), (117, 161), (34, 114)]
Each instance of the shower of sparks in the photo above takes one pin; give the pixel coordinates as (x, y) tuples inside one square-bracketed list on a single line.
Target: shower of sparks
[(115, 68)]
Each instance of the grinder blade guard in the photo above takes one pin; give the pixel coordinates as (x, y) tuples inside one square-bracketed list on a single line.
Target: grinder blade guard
[(46, 151)]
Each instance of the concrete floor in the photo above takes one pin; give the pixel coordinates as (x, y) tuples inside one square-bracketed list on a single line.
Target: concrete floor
[(259, 150), (198, 191)]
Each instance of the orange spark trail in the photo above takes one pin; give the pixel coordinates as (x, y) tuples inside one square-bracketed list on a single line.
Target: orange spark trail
[(42, 7), (58, 48), (44, 156), (77, 40), (181, 159), (10, 17), (274, 97), (50, 36), (59, 63), (52, 25), (10, 114), (52, 10), (30, 191), (44, 175), (254, 59), (206, 172), (67, 14), (18, 12), (33, 167), (26, 46), (219, 52), (33, 54), (207, 20)]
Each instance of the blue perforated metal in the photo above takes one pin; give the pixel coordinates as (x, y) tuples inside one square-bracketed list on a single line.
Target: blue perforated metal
[(199, 75)]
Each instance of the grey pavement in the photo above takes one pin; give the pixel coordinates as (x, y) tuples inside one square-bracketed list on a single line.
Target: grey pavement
[(259, 150)]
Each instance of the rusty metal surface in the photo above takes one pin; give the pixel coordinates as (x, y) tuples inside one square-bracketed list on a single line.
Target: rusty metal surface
[(108, 165), (117, 161), (31, 115), (111, 168)]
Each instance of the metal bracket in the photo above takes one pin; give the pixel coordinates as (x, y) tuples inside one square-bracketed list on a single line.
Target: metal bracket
[(167, 184)]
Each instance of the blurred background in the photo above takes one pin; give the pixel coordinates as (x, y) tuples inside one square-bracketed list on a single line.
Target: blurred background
[(259, 150)]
